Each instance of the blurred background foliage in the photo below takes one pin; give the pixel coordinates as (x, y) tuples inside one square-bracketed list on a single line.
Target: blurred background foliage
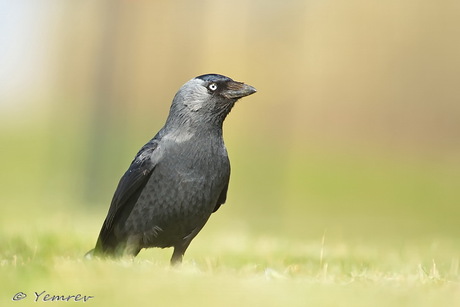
[(354, 131)]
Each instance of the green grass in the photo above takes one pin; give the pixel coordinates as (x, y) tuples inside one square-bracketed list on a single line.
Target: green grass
[(227, 267)]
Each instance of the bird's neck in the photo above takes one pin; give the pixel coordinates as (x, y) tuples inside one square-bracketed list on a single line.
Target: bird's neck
[(186, 130), (207, 125)]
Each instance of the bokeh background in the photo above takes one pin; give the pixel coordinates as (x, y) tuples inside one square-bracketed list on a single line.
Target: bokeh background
[(354, 134)]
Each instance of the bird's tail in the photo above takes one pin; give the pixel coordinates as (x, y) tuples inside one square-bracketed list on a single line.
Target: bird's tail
[(100, 250), (90, 254)]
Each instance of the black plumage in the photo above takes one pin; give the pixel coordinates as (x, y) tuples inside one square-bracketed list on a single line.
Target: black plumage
[(179, 178)]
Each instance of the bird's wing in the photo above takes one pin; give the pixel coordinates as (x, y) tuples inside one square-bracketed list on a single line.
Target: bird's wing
[(131, 184)]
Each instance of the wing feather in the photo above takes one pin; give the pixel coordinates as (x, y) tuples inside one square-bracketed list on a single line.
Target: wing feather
[(128, 191)]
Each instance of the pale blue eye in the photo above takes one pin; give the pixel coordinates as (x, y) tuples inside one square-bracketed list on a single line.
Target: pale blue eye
[(212, 86)]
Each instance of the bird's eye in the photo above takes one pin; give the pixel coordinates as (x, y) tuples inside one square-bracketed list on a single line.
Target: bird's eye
[(212, 87)]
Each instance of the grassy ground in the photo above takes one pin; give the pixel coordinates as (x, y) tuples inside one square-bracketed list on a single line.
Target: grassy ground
[(228, 268)]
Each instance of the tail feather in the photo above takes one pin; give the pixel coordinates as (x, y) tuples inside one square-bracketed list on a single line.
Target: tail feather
[(89, 255)]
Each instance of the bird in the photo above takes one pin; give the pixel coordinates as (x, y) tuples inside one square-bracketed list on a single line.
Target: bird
[(178, 178)]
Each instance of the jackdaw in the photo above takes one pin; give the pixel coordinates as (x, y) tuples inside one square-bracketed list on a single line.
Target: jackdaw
[(179, 178)]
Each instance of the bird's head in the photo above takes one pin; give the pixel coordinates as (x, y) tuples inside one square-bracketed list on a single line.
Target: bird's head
[(208, 98)]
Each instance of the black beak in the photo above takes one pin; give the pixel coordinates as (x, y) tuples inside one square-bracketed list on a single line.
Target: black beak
[(236, 90)]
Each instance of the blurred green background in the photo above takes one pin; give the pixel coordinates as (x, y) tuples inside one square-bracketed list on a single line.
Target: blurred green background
[(354, 132)]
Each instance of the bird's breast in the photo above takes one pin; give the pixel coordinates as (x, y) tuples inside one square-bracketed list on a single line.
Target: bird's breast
[(183, 189), (197, 164)]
